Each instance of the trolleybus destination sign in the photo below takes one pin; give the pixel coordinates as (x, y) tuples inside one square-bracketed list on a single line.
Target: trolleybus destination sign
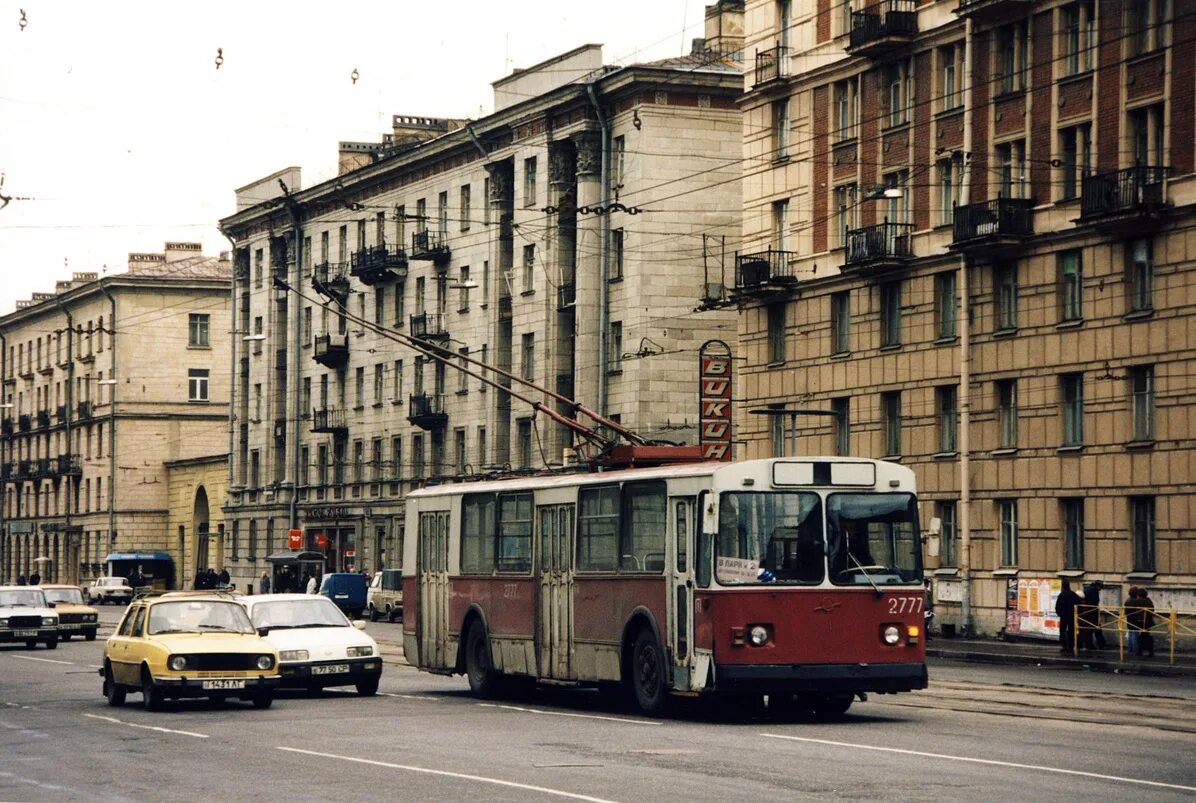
[(715, 399)]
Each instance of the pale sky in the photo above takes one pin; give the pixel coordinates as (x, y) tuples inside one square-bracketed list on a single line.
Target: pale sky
[(116, 122)]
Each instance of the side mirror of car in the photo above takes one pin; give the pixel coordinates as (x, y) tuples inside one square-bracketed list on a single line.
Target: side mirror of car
[(359, 624), (263, 631), (52, 604)]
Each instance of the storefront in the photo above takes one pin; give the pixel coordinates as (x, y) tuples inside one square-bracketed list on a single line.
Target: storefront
[(333, 530)]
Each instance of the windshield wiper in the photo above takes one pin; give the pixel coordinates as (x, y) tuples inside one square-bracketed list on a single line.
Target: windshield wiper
[(860, 568)]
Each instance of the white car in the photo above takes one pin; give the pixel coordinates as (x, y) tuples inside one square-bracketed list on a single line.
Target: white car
[(317, 646), (26, 616), (109, 589)]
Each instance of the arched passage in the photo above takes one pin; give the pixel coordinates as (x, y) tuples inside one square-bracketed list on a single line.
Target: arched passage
[(199, 526)]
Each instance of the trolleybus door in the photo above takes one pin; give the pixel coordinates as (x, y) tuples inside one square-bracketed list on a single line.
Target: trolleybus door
[(681, 589), (555, 633), (433, 588)]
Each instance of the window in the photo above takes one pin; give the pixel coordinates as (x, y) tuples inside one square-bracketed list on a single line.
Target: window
[(616, 346), (466, 203), (1007, 516), (1013, 54), (421, 215), (523, 438), (482, 461), (442, 213), (1072, 395), (597, 529), (846, 109), (780, 129), (950, 180), (343, 245), (462, 376), (459, 449), (1146, 24), (1142, 393), (948, 414), (529, 181), (304, 466), (375, 464), (528, 352), (324, 250), (307, 256), (1076, 149), (643, 527), (1079, 37), (198, 331), (396, 461), (946, 304), (842, 408), (890, 411), (890, 314), (1005, 291), (1006, 391), (514, 533), (1146, 128), (616, 248), (899, 84), (257, 402), (379, 383), (776, 423), (619, 152), (359, 386), (951, 67), (477, 534), (897, 204), (259, 258), (307, 333), (529, 268), (322, 467), (780, 225), (485, 361), (463, 290), (1011, 161), (358, 462), (197, 384), (417, 457), (255, 469), (1140, 267), (236, 541), (252, 551), (949, 544), (1142, 520), (846, 205), (776, 333), (380, 306), (1071, 511), (257, 330), (1071, 306), (841, 322)]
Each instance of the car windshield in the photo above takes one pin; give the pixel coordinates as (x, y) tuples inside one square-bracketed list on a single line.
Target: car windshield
[(770, 538), (198, 616), (873, 539), (23, 598), (70, 595), (295, 613)]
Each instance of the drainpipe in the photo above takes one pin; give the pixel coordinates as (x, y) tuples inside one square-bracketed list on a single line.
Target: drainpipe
[(965, 357), (5, 451), (232, 366), (70, 381), (111, 419), (294, 355), (603, 286)]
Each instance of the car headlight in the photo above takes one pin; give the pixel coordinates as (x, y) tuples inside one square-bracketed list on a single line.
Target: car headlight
[(47, 621), (892, 635), (265, 662), (3, 623), (360, 652), (293, 655), (758, 635), (91, 617), (177, 662)]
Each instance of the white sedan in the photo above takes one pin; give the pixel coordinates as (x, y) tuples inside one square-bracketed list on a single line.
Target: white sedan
[(317, 646)]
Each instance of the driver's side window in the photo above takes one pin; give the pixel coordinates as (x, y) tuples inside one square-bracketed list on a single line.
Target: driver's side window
[(126, 624), (139, 622)]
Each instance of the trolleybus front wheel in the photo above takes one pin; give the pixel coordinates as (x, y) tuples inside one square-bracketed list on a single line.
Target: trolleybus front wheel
[(648, 681)]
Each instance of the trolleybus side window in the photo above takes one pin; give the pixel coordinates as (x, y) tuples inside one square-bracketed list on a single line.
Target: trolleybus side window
[(777, 537), (705, 541), (598, 529), (645, 522), (682, 507), (514, 553), (477, 534), (873, 538)]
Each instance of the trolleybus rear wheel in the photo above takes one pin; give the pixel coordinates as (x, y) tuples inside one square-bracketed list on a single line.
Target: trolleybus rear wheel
[(479, 668), (832, 706)]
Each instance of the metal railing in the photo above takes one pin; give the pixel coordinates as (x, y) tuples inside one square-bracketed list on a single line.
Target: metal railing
[(376, 259), (998, 217), (770, 64), (883, 241), (888, 18), (428, 244), (1135, 189), (763, 268), (328, 419), (428, 325), (1132, 624)]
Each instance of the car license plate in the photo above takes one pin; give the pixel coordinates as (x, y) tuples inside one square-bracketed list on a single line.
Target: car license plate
[(330, 669), (24, 633), (224, 684)]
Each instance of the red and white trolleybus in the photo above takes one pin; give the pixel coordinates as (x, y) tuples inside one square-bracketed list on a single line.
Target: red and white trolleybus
[(796, 578)]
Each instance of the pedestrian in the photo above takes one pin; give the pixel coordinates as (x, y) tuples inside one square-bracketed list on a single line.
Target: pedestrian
[(928, 609), (1065, 607), (198, 582), (263, 585), (20, 579), (312, 586), (1133, 618), (1146, 639), (223, 578), (1091, 635), (35, 579)]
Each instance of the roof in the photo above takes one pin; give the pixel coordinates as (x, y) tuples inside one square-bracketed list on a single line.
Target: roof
[(186, 269), (709, 61)]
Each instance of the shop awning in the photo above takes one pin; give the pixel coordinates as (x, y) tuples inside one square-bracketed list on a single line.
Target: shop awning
[(143, 556)]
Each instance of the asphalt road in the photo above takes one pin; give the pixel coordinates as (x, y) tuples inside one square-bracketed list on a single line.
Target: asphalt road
[(984, 733)]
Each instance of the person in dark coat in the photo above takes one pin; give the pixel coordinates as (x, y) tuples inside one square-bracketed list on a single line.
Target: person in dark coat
[(20, 579), (1091, 635), (1146, 638), (223, 578), (1065, 607)]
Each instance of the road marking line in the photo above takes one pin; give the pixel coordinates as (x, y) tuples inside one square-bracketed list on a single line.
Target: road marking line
[(409, 697), (115, 721), (481, 779), (988, 761), (43, 660), (567, 714)]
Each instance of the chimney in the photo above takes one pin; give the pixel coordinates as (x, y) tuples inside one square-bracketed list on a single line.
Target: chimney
[(724, 28), (178, 251), (138, 262), (83, 277)]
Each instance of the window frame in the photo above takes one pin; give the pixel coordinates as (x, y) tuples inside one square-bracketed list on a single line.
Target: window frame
[(1071, 286)]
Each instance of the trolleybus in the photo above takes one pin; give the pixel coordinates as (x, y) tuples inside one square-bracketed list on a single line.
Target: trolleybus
[(800, 579)]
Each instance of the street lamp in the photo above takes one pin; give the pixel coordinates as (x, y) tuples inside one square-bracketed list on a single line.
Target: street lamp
[(793, 413)]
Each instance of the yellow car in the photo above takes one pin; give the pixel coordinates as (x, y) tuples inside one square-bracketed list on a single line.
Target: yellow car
[(188, 645), (74, 616)]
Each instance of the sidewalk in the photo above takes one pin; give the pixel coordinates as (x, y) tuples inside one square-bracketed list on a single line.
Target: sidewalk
[(1046, 653)]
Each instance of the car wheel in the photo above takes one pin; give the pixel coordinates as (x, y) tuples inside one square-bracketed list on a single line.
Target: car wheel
[(151, 695), (390, 615), (648, 674), (373, 614), (367, 688), (263, 699), (479, 668), (52, 643), (114, 692), (90, 635)]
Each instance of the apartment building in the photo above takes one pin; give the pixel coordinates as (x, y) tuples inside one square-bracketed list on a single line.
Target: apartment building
[(968, 239), (105, 382), (560, 239)]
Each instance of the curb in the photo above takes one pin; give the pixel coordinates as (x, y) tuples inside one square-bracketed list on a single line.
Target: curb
[(1111, 667)]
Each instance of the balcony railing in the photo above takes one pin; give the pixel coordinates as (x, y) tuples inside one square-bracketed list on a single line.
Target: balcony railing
[(1133, 192), (428, 326), (879, 246), (882, 27), (770, 64), (331, 350), (60, 414), (329, 419), (566, 296), (25, 470), (990, 222), (83, 410), (25, 422), (992, 9), (429, 244), (330, 279), (44, 467), (378, 263), (426, 410), (43, 418), (68, 464), (764, 271)]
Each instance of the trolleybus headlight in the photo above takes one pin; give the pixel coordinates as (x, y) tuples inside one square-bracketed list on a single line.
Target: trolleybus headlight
[(178, 662), (758, 635), (892, 635)]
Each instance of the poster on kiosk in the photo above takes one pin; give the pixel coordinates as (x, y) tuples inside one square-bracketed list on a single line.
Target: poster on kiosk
[(1030, 607)]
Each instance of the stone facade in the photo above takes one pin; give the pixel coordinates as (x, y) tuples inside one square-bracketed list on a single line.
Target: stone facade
[(195, 488)]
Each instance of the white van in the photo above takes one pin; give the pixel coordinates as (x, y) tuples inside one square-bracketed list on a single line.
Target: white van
[(385, 597)]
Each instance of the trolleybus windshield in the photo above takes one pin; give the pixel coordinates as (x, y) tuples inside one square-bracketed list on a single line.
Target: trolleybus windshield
[(770, 538), (873, 539)]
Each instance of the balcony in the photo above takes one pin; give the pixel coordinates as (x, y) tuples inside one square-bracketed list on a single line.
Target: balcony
[(426, 411), (83, 410), (428, 326), (566, 296), (25, 470), (60, 413), (43, 419), (884, 27), (997, 224), (770, 65), (329, 419), (331, 350), (329, 279), (992, 10), (24, 422), (68, 464), (881, 247), (763, 272), (44, 467), (505, 310), (1130, 197), (6, 427), (378, 264), (429, 245)]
